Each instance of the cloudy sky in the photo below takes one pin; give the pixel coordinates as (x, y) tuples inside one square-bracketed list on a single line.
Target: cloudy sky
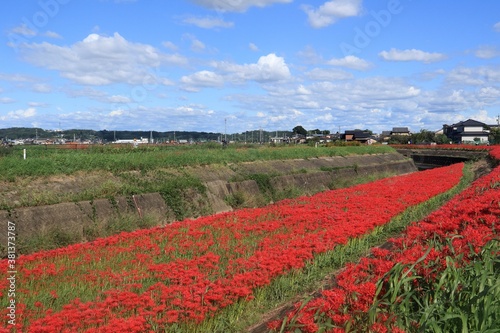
[(207, 65)]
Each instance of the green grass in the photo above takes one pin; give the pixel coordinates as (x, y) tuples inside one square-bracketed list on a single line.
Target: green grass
[(461, 298), (48, 160)]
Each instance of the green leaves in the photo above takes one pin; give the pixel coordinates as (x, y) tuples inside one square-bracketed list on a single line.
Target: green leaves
[(464, 297)]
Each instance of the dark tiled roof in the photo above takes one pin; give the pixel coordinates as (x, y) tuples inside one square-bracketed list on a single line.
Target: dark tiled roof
[(469, 123), (400, 130)]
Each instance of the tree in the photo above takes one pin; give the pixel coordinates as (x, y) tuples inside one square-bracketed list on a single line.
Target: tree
[(299, 130), (424, 136), (494, 136), (442, 139)]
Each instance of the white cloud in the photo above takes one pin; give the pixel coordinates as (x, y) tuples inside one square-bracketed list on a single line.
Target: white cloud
[(119, 99), (202, 79), (496, 27), (169, 45), (116, 113), (268, 68), (301, 90), (6, 100), (52, 34), (326, 118), (19, 114), (411, 55), (38, 104), (16, 78), (487, 52), (23, 30), (42, 88), (100, 60), (253, 47), (310, 56), (331, 11), (236, 5), (489, 95), (197, 45), (329, 74), (352, 62), (474, 76), (207, 22)]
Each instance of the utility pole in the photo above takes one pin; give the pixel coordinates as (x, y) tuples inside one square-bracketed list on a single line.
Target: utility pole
[(225, 129)]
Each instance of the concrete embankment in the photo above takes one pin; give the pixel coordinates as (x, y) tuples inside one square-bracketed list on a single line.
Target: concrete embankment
[(226, 188)]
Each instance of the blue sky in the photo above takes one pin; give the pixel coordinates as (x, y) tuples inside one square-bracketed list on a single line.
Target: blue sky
[(202, 65)]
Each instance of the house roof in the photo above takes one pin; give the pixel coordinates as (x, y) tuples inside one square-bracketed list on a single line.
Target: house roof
[(400, 130), (470, 123), (358, 134)]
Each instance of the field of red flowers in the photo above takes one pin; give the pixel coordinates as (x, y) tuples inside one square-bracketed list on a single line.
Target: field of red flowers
[(459, 229), (155, 279)]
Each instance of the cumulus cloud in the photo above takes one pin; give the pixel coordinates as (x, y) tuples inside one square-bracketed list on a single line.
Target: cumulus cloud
[(19, 114), (236, 5), (331, 11), (100, 60), (207, 22), (352, 62), (411, 55), (268, 68), (201, 79)]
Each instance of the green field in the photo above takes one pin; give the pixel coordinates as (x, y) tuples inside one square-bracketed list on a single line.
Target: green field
[(48, 160)]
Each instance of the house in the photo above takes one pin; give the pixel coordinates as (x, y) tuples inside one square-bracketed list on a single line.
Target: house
[(468, 131), (400, 131), (358, 135)]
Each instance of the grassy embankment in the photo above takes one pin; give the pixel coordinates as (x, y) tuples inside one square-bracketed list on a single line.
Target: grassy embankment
[(50, 175), (102, 172)]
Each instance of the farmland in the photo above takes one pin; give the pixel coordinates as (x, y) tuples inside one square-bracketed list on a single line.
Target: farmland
[(48, 160), (50, 175), (221, 273)]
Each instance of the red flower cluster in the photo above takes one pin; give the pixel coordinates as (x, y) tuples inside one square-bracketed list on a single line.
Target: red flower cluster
[(473, 215), (149, 279)]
